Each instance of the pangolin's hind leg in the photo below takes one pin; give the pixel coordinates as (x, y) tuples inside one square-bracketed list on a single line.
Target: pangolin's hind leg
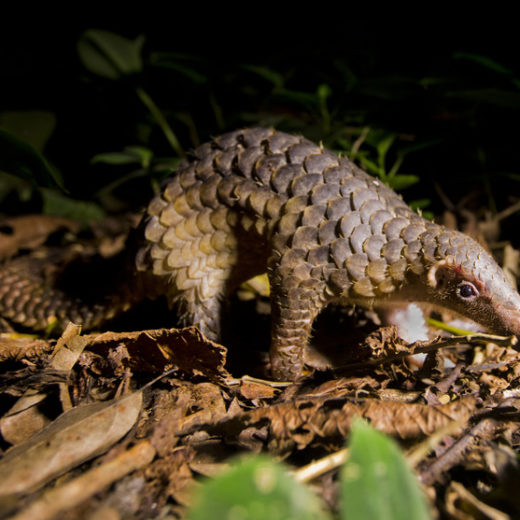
[(201, 252)]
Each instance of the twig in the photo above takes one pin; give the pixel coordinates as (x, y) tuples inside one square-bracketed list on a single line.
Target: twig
[(473, 502), (456, 453), (321, 466), (419, 452), (359, 141), (508, 211), (419, 347)]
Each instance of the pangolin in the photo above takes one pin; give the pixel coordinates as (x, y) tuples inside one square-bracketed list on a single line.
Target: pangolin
[(259, 199)]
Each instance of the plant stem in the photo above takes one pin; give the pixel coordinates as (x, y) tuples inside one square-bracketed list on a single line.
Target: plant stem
[(161, 121)]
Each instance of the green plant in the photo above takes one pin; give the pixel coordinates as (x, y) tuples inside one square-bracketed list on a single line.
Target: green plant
[(376, 483)]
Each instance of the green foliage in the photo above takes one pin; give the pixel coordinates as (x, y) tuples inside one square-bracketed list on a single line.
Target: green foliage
[(181, 63), (20, 159), (484, 61), (376, 483), (130, 155), (55, 203), (380, 142), (109, 55), (33, 127), (255, 489), (394, 119)]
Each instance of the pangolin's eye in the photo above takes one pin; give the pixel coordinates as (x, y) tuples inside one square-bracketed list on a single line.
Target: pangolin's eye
[(467, 291)]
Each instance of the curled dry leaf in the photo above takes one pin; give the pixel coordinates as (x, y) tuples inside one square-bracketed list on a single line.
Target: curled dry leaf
[(74, 437), (325, 421), (154, 350)]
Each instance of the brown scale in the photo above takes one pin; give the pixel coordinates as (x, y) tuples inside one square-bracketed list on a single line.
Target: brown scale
[(326, 231)]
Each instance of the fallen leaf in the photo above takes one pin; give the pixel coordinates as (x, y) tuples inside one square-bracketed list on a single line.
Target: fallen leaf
[(30, 231), (25, 418), (153, 350), (74, 437), (76, 491)]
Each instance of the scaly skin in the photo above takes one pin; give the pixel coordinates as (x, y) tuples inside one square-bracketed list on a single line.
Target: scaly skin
[(326, 232)]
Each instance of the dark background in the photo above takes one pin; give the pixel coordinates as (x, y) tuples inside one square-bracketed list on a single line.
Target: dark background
[(451, 88)]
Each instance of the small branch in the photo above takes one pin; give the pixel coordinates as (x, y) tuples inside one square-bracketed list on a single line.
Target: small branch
[(359, 141), (319, 467), (508, 211), (456, 453), (419, 452), (421, 347)]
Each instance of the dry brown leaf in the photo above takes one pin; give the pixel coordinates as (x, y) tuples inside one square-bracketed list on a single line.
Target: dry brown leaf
[(76, 491), (171, 476), (251, 390), (154, 350), (25, 419), (30, 231), (74, 437), (15, 348), (68, 348), (317, 421), (66, 354)]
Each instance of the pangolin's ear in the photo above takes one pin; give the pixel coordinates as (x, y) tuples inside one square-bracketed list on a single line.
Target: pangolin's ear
[(440, 273)]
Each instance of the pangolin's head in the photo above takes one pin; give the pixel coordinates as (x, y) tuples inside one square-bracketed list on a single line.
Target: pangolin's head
[(464, 277)]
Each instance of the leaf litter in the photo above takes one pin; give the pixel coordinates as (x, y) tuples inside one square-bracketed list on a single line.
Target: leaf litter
[(83, 431)]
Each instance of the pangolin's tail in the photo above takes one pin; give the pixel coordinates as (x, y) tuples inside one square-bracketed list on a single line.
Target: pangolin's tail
[(51, 289)]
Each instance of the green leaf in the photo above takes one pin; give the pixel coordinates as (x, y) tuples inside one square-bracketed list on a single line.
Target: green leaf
[(33, 127), (491, 96), (383, 146), (376, 482), (369, 165), (130, 155), (20, 159), (485, 61), (309, 100), (171, 60), (268, 74), (400, 182), (55, 203), (255, 489), (323, 92), (417, 147), (433, 81), (115, 158), (110, 55), (419, 203)]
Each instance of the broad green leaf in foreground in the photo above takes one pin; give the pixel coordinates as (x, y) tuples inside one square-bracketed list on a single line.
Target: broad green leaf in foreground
[(255, 489), (376, 481)]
